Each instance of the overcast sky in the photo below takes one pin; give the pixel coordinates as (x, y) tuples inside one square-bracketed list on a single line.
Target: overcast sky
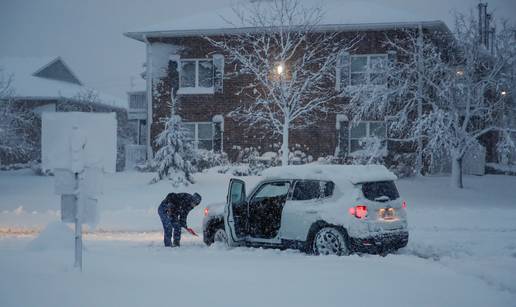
[(88, 33)]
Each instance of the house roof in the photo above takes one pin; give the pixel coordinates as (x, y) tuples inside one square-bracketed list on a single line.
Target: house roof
[(32, 79), (339, 15)]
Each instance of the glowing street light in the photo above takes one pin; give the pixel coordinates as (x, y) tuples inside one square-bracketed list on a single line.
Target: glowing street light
[(503, 93), (280, 68)]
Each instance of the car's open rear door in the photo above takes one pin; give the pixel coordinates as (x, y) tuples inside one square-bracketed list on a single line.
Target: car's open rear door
[(237, 213)]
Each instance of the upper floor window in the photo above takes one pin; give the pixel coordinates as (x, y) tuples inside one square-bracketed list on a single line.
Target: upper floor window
[(367, 69), (196, 73), (137, 101)]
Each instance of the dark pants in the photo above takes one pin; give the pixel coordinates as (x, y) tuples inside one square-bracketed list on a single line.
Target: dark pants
[(170, 225)]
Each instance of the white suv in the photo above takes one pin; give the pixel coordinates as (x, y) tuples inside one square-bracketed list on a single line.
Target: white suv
[(320, 209)]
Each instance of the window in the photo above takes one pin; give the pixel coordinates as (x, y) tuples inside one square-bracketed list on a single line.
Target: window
[(273, 189), (196, 73), (361, 132), (200, 134), (312, 189), (367, 68), (138, 101), (380, 190)]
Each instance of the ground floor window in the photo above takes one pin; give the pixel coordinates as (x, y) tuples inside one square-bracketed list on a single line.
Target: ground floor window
[(200, 134), (139, 131), (366, 131)]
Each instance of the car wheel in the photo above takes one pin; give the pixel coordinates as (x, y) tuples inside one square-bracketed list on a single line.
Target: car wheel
[(220, 236), (330, 241)]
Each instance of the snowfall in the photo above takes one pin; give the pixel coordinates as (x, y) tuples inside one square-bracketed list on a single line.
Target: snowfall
[(462, 252)]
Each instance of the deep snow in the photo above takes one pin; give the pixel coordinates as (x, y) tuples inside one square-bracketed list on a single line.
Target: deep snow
[(462, 252)]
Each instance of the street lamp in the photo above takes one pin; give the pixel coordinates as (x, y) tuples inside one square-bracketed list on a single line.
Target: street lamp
[(503, 93), (280, 69)]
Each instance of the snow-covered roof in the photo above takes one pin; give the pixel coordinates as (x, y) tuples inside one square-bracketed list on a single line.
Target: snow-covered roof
[(336, 173), (27, 82), (339, 15)]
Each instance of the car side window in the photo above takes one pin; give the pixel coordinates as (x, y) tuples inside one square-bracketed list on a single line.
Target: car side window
[(312, 189), (273, 189)]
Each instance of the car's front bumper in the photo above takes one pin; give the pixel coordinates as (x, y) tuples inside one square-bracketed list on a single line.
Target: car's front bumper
[(381, 243)]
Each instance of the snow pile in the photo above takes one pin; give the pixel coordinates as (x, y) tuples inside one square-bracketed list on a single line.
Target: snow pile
[(338, 173), (56, 235)]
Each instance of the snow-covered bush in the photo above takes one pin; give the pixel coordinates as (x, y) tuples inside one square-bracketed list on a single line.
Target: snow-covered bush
[(205, 159), (403, 164), (173, 160)]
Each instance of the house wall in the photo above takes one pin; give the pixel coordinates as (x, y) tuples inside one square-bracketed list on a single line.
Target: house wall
[(319, 140)]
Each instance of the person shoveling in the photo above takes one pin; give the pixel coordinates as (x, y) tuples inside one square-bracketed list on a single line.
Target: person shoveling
[(173, 212)]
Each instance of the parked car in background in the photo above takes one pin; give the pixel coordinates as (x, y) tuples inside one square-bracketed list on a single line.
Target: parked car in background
[(320, 209)]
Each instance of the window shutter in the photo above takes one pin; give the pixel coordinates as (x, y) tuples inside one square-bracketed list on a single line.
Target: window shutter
[(173, 73), (343, 141), (218, 73), (342, 73)]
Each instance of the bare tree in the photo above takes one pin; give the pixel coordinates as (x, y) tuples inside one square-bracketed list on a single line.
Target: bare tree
[(400, 89), (289, 61), (15, 124), (471, 97)]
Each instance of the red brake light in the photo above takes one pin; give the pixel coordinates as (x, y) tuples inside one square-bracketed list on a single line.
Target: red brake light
[(359, 211), (206, 211), (404, 205)]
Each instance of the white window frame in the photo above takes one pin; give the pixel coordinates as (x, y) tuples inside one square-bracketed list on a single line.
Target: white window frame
[(368, 71), (196, 89), (196, 134), (368, 132)]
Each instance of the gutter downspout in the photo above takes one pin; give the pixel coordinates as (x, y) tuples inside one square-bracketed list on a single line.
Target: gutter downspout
[(149, 73)]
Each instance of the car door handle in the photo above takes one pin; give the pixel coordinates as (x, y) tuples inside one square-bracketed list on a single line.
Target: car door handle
[(311, 212)]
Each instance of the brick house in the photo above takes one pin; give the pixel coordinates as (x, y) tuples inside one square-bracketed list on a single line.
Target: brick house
[(179, 60), (47, 84)]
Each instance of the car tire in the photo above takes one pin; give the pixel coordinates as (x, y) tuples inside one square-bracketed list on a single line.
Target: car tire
[(220, 236), (329, 240)]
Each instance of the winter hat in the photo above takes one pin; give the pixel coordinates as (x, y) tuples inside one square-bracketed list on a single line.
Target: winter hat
[(196, 199)]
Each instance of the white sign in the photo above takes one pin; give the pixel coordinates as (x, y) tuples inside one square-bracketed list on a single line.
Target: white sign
[(96, 131)]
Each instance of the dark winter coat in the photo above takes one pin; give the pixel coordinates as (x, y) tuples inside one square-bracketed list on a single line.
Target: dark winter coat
[(177, 206)]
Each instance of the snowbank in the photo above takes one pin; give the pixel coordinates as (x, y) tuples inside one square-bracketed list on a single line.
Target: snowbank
[(56, 235)]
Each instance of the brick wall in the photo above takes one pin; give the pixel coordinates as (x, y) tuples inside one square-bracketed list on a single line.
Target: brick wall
[(318, 140)]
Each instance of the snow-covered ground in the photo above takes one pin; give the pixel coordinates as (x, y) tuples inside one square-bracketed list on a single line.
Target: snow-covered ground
[(462, 252)]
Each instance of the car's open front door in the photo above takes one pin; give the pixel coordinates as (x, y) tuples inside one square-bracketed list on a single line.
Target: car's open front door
[(237, 214)]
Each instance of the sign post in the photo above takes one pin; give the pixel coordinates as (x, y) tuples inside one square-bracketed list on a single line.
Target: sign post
[(79, 187)]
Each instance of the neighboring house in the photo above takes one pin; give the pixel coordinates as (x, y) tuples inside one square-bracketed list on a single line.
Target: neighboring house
[(136, 151), (47, 84), (206, 93)]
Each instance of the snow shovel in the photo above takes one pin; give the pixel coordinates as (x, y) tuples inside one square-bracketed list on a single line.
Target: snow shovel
[(191, 231)]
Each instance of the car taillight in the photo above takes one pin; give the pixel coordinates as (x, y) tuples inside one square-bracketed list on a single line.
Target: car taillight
[(404, 205), (359, 211), (206, 211)]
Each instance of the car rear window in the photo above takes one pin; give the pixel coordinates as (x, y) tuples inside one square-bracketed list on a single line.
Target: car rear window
[(380, 190), (312, 189)]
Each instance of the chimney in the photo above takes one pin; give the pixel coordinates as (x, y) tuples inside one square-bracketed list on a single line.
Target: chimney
[(483, 24)]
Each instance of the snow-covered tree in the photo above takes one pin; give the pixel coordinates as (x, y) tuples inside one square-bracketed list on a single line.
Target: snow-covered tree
[(173, 158), (15, 124), (289, 63), (401, 87), (471, 98)]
